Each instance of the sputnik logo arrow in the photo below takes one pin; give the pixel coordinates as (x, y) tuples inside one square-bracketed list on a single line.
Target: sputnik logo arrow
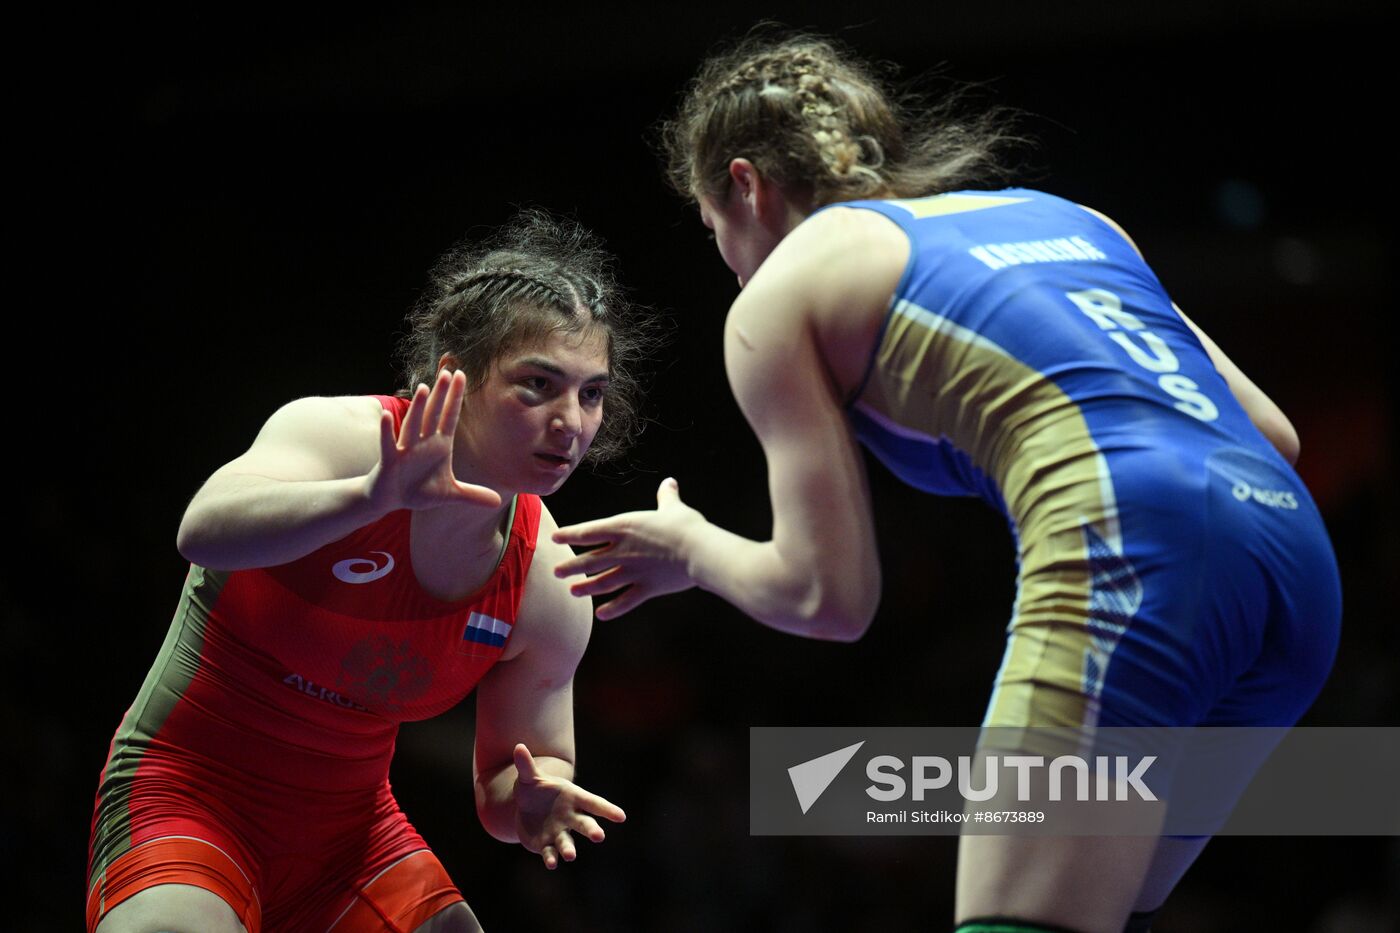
[(811, 778)]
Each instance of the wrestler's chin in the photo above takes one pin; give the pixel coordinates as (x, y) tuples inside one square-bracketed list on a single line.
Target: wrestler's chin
[(547, 475)]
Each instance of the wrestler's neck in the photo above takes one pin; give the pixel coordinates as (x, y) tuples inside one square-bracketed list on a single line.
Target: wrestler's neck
[(455, 543), (461, 528), (464, 528), (454, 551)]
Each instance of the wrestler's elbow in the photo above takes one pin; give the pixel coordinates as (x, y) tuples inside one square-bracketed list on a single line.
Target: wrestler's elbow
[(204, 537), (1281, 433), (845, 628), (191, 540), (495, 811), (496, 827), (843, 611), (1270, 421)]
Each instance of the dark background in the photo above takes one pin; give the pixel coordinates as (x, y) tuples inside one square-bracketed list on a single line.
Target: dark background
[(216, 212)]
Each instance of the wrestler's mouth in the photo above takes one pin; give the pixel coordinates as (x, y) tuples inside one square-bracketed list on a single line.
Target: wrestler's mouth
[(555, 461)]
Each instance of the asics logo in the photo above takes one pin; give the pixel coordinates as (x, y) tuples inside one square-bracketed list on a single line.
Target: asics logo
[(1273, 498), (362, 569)]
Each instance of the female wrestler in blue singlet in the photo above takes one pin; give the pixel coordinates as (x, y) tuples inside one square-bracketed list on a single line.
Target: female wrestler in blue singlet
[(1007, 344)]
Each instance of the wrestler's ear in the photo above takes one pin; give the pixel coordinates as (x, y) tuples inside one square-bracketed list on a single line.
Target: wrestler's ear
[(747, 184), (447, 361), (763, 198)]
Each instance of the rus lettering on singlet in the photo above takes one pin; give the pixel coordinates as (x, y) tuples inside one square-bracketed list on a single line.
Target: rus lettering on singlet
[(1144, 348)]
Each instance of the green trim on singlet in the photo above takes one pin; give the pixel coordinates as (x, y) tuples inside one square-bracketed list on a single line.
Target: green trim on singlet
[(1000, 925), (170, 676), (510, 527)]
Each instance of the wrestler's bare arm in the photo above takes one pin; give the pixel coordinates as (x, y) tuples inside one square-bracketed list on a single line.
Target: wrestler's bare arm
[(818, 575), (319, 469), (524, 758)]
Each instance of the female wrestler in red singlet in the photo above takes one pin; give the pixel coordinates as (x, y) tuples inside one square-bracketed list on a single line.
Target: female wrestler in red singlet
[(368, 561)]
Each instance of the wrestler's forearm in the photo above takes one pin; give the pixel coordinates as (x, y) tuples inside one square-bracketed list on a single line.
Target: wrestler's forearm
[(784, 591), (241, 521)]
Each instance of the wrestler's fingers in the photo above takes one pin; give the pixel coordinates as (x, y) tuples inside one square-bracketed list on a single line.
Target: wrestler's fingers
[(413, 418), (589, 802), (590, 562), (586, 534), (629, 600), (668, 493), (477, 495), (388, 444), (432, 412), (588, 827), (452, 408), (609, 581), (525, 768)]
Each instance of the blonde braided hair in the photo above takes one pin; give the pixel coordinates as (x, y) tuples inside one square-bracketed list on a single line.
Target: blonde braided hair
[(812, 116)]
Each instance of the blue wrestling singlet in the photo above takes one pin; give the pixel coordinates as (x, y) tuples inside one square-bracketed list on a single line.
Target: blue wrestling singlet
[(1173, 570)]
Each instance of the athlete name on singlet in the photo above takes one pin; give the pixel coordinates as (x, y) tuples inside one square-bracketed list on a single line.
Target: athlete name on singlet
[(312, 689), (1059, 249)]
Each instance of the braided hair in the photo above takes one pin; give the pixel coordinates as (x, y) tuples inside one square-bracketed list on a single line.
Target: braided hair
[(813, 117), (535, 276)]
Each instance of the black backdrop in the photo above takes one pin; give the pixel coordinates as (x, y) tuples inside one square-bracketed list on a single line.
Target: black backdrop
[(219, 211)]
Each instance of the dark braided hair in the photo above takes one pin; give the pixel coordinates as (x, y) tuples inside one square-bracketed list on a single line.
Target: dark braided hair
[(535, 276)]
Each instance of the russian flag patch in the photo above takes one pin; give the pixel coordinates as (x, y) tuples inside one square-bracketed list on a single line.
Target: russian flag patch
[(486, 630)]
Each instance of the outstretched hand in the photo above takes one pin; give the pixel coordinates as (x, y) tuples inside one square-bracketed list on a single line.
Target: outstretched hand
[(549, 809), (646, 552), (415, 468)]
